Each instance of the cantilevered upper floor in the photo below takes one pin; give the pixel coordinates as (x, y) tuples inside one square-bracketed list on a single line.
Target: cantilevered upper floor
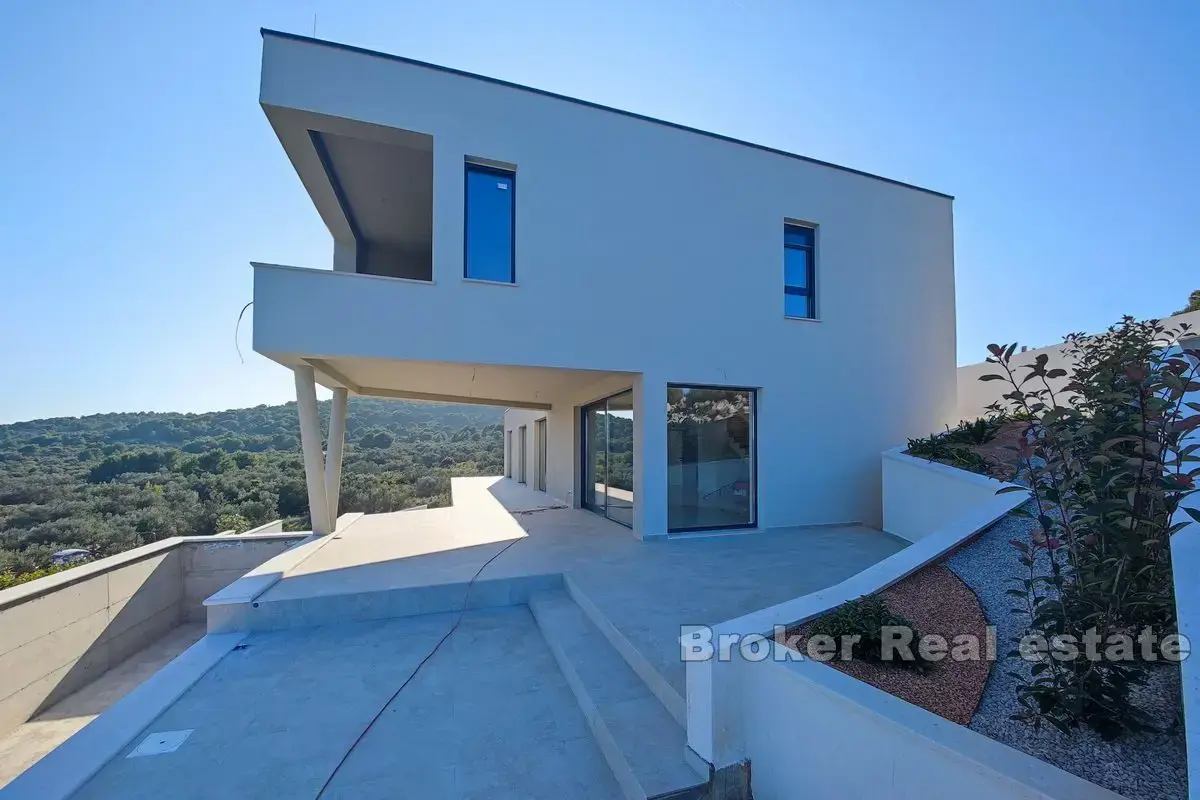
[(477, 221)]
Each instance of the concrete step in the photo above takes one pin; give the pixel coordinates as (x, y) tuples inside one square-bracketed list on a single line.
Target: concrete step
[(644, 746), (266, 613), (666, 693)]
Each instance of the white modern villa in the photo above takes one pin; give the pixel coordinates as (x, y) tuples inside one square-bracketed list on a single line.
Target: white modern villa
[(710, 355), (699, 326)]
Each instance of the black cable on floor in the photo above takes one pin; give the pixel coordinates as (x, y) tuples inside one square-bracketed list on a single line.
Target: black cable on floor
[(413, 674)]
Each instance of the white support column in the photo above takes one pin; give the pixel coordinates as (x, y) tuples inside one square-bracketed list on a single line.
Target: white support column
[(310, 443), (333, 453), (649, 455)]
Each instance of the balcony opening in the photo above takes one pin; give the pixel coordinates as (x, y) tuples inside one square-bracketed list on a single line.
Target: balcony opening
[(385, 190)]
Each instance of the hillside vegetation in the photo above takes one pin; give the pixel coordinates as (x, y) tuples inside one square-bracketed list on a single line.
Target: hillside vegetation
[(111, 482)]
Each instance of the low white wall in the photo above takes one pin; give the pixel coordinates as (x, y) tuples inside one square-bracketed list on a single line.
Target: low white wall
[(1185, 562), (920, 496), (816, 732), (720, 714), (61, 632)]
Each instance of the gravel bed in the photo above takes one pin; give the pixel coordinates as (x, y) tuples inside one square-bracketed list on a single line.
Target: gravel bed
[(1144, 765), (936, 601)]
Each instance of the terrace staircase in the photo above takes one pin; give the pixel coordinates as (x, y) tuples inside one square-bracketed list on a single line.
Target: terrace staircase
[(637, 723)]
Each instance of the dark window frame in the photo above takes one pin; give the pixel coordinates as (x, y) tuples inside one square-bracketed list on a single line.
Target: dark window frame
[(809, 291), (754, 493), (499, 172)]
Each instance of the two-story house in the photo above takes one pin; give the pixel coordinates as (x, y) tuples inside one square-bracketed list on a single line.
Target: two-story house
[(698, 333)]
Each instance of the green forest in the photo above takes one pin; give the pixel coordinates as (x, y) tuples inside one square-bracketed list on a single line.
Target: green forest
[(111, 482)]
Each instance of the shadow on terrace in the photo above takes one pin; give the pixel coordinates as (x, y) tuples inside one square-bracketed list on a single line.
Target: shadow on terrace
[(412, 562)]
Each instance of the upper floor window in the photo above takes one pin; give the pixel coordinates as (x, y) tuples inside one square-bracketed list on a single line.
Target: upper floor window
[(490, 241), (799, 271)]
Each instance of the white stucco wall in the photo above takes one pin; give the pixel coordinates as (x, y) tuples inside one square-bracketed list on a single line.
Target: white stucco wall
[(816, 732), (563, 436), (920, 496), (1185, 563), (514, 420), (647, 250)]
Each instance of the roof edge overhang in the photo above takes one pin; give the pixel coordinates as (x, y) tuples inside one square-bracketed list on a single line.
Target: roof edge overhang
[(268, 32)]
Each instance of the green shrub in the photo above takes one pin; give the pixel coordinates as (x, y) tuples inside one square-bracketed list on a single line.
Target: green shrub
[(866, 618), (941, 447), (1108, 463), (10, 579), (981, 431)]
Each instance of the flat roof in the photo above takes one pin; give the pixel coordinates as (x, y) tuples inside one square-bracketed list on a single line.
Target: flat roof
[(462, 73)]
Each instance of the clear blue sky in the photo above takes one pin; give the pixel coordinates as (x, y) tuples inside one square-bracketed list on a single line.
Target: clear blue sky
[(140, 177)]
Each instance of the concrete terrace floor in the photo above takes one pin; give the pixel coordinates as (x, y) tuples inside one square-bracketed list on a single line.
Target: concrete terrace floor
[(647, 590), (273, 719), (46, 731), (489, 715)]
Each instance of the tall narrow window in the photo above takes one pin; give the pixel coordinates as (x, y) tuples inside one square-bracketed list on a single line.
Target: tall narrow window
[(490, 242), (798, 271)]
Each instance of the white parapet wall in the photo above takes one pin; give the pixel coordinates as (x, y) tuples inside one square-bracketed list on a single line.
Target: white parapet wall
[(1185, 563), (61, 632), (816, 732), (774, 713), (922, 496)]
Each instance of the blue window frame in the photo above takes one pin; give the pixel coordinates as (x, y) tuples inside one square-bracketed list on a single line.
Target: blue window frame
[(489, 244), (799, 271)]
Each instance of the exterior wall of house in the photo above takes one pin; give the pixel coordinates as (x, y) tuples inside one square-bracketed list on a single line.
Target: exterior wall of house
[(647, 249), (514, 420), (563, 437)]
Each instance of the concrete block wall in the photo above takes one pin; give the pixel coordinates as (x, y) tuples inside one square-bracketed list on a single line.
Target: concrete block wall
[(208, 566), (61, 632)]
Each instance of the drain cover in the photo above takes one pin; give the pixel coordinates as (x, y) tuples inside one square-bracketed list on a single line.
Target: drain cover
[(155, 744)]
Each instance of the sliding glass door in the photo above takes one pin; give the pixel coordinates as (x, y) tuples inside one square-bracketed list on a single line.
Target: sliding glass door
[(711, 480), (607, 467)]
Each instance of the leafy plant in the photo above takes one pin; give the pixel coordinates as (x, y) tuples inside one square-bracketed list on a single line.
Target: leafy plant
[(866, 618), (10, 579), (981, 431), (953, 448), (1105, 457)]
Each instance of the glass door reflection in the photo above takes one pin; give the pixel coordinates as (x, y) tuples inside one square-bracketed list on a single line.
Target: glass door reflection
[(608, 458)]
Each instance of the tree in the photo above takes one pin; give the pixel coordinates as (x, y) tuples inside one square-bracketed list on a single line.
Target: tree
[(376, 438), (111, 482), (1193, 303)]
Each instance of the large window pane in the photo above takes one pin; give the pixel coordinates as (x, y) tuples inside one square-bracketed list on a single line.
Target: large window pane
[(489, 224), (710, 458)]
